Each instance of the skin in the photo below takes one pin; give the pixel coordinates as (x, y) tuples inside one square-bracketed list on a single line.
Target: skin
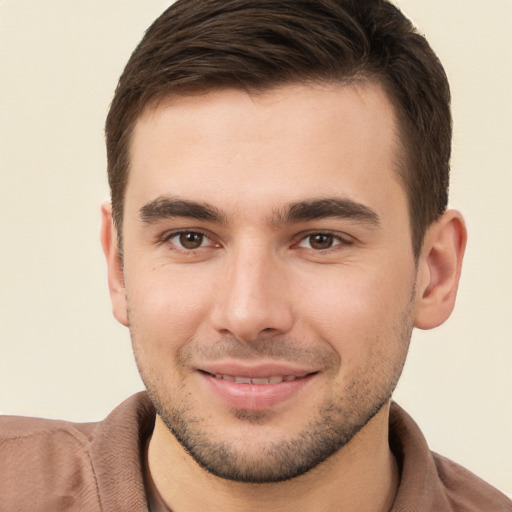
[(226, 263)]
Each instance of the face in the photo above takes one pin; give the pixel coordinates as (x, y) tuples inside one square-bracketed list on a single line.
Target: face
[(268, 272)]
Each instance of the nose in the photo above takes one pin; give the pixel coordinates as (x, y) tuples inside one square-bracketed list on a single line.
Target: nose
[(253, 300)]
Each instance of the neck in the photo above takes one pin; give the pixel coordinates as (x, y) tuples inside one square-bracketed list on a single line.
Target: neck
[(362, 476)]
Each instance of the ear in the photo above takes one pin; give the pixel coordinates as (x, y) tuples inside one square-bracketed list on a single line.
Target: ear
[(439, 269), (114, 265)]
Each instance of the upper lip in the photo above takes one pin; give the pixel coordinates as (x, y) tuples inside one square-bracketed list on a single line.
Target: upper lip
[(260, 370)]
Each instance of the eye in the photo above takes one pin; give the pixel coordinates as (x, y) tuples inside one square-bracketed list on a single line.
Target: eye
[(320, 241), (188, 240)]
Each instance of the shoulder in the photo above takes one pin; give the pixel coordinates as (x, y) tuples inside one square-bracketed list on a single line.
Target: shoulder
[(13, 428), (430, 482), (22, 437), (467, 491), (52, 465), (45, 460)]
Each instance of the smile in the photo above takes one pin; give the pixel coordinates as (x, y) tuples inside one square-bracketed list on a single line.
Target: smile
[(274, 379), (244, 389)]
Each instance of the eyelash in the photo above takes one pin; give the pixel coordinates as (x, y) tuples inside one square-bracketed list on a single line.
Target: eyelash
[(167, 238), (338, 239)]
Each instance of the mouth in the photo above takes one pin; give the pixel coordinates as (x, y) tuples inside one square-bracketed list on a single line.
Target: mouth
[(259, 381), (255, 389)]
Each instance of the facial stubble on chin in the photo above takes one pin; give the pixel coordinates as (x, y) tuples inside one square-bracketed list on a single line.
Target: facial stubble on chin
[(339, 418)]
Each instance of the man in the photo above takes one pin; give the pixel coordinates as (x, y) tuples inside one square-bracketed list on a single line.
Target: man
[(278, 226)]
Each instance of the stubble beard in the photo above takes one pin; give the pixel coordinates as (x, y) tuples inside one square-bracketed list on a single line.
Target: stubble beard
[(339, 419)]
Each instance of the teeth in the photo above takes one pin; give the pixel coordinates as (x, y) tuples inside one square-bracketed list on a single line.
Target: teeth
[(260, 381), (275, 379)]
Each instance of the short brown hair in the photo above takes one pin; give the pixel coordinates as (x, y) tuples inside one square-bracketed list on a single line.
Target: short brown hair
[(259, 44)]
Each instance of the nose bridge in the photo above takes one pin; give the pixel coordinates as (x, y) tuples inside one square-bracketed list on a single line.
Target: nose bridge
[(253, 297)]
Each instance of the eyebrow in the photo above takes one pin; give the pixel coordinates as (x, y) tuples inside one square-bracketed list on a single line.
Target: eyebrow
[(341, 208), (167, 207)]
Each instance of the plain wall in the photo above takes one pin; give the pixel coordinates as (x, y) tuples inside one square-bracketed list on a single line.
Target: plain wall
[(61, 352)]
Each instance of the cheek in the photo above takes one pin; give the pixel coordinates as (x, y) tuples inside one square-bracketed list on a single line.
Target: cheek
[(166, 307), (355, 308)]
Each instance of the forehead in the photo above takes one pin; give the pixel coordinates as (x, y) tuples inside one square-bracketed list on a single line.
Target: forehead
[(233, 146)]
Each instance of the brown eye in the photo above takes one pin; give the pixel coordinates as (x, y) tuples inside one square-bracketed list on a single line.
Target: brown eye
[(190, 240), (321, 241)]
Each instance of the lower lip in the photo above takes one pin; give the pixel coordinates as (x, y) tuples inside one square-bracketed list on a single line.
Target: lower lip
[(255, 397)]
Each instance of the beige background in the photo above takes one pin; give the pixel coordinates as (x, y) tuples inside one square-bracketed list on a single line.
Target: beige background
[(61, 352)]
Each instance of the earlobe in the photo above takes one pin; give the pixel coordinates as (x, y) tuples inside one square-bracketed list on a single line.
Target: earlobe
[(114, 265), (439, 270)]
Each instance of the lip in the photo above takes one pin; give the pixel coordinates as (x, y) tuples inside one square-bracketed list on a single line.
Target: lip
[(255, 396), (261, 370)]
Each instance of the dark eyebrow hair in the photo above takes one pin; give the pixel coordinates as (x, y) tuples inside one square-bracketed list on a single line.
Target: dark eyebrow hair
[(165, 207), (342, 208)]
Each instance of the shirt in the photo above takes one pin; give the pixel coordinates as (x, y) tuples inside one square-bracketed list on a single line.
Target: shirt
[(56, 466)]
